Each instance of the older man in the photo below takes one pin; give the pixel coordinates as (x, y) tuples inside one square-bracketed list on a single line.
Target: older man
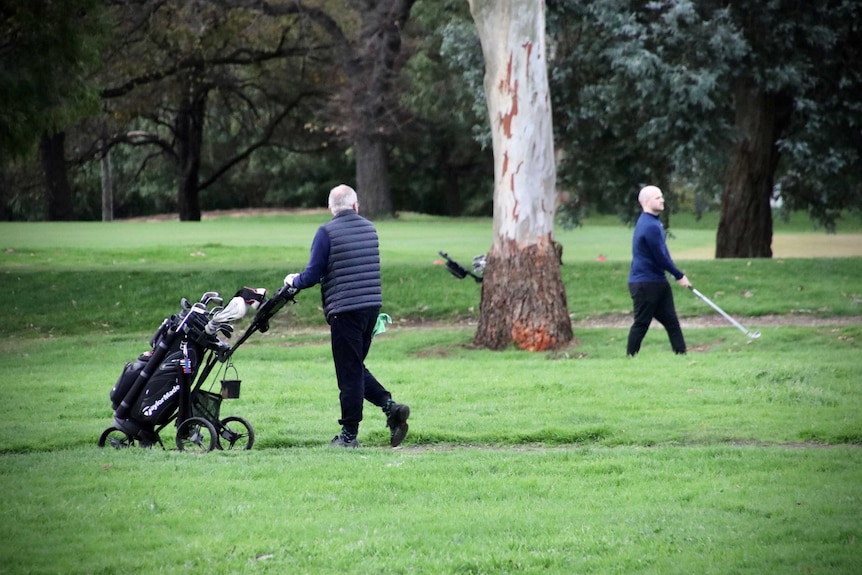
[(345, 261), (651, 293)]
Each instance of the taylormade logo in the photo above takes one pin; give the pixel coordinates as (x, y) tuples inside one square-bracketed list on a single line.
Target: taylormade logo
[(160, 401)]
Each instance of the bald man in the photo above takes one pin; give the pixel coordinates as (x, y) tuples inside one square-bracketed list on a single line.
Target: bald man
[(651, 293)]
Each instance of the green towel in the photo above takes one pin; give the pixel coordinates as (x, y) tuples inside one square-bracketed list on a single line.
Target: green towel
[(382, 320)]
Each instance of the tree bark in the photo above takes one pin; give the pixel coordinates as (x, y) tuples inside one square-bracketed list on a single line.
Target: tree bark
[(523, 297), (107, 186), (371, 99), (372, 177), (745, 219), (52, 153), (189, 131)]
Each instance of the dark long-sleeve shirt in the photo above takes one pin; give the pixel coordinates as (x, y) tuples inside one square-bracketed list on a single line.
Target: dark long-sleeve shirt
[(316, 267), (650, 258)]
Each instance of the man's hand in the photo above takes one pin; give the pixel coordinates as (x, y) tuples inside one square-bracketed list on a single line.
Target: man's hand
[(683, 281), (288, 279)]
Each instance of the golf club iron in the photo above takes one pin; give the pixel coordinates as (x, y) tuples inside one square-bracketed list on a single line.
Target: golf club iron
[(751, 334)]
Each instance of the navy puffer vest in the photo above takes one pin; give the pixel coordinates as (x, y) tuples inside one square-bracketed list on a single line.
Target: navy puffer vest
[(352, 278)]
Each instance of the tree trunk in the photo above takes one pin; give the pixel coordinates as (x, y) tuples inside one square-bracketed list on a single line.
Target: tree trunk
[(372, 100), (52, 153), (745, 219), (190, 130), (107, 187), (523, 297), (372, 178)]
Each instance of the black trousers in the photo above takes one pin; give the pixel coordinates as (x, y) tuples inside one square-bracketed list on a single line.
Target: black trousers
[(350, 335), (654, 300)]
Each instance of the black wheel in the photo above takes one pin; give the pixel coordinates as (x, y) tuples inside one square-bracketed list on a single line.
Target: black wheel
[(196, 434), (236, 433), (116, 438)]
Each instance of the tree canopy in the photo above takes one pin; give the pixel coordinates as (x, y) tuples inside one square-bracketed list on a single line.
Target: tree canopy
[(237, 103), (47, 50), (740, 103)]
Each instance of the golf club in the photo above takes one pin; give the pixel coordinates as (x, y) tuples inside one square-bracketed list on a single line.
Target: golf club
[(751, 334), (211, 296)]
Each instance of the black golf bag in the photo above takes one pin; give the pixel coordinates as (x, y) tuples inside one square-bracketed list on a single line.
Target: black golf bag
[(164, 384), (160, 397)]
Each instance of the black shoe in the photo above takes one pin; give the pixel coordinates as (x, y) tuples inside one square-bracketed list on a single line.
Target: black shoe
[(396, 420), (344, 440)]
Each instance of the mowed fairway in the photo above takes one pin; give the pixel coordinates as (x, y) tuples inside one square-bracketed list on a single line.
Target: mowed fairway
[(742, 457), (796, 246)]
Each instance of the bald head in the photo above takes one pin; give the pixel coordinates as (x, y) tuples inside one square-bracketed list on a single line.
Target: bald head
[(647, 193), (651, 199), (342, 198)]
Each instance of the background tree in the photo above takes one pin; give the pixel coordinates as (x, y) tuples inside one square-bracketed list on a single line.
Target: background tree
[(636, 100), (254, 106), (46, 51), (367, 42), (523, 299), (796, 102), (732, 102), (191, 59), (441, 161)]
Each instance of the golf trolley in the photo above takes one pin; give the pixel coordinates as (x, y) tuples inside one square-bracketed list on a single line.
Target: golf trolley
[(460, 272), (164, 385)]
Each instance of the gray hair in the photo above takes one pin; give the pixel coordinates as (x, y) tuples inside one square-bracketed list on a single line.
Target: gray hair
[(342, 198)]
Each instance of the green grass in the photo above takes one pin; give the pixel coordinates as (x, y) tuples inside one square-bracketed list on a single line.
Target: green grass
[(708, 510), (742, 457), (121, 277)]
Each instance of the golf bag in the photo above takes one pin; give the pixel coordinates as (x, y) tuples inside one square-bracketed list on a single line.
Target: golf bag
[(160, 396), (164, 384)]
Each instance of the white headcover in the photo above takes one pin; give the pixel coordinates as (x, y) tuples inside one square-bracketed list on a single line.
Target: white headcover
[(235, 309)]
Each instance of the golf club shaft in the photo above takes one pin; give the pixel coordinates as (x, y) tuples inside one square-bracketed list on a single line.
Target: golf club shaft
[(721, 311)]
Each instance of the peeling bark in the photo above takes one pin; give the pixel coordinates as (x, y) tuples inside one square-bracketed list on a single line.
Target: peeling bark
[(523, 299)]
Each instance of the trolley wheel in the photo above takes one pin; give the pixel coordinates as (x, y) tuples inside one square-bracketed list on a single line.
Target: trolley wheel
[(116, 438), (236, 433), (196, 434)]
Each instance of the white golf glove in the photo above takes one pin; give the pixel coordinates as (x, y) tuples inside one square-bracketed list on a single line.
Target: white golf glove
[(288, 279)]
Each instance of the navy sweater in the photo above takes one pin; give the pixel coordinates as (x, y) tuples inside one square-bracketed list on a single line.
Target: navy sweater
[(650, 258)]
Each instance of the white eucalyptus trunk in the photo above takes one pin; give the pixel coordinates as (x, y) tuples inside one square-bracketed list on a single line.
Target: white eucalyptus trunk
[(523, 298), (512, 33)]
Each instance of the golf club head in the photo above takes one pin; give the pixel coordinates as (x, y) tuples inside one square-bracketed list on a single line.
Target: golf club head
[(753, 334), (207, 296)]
